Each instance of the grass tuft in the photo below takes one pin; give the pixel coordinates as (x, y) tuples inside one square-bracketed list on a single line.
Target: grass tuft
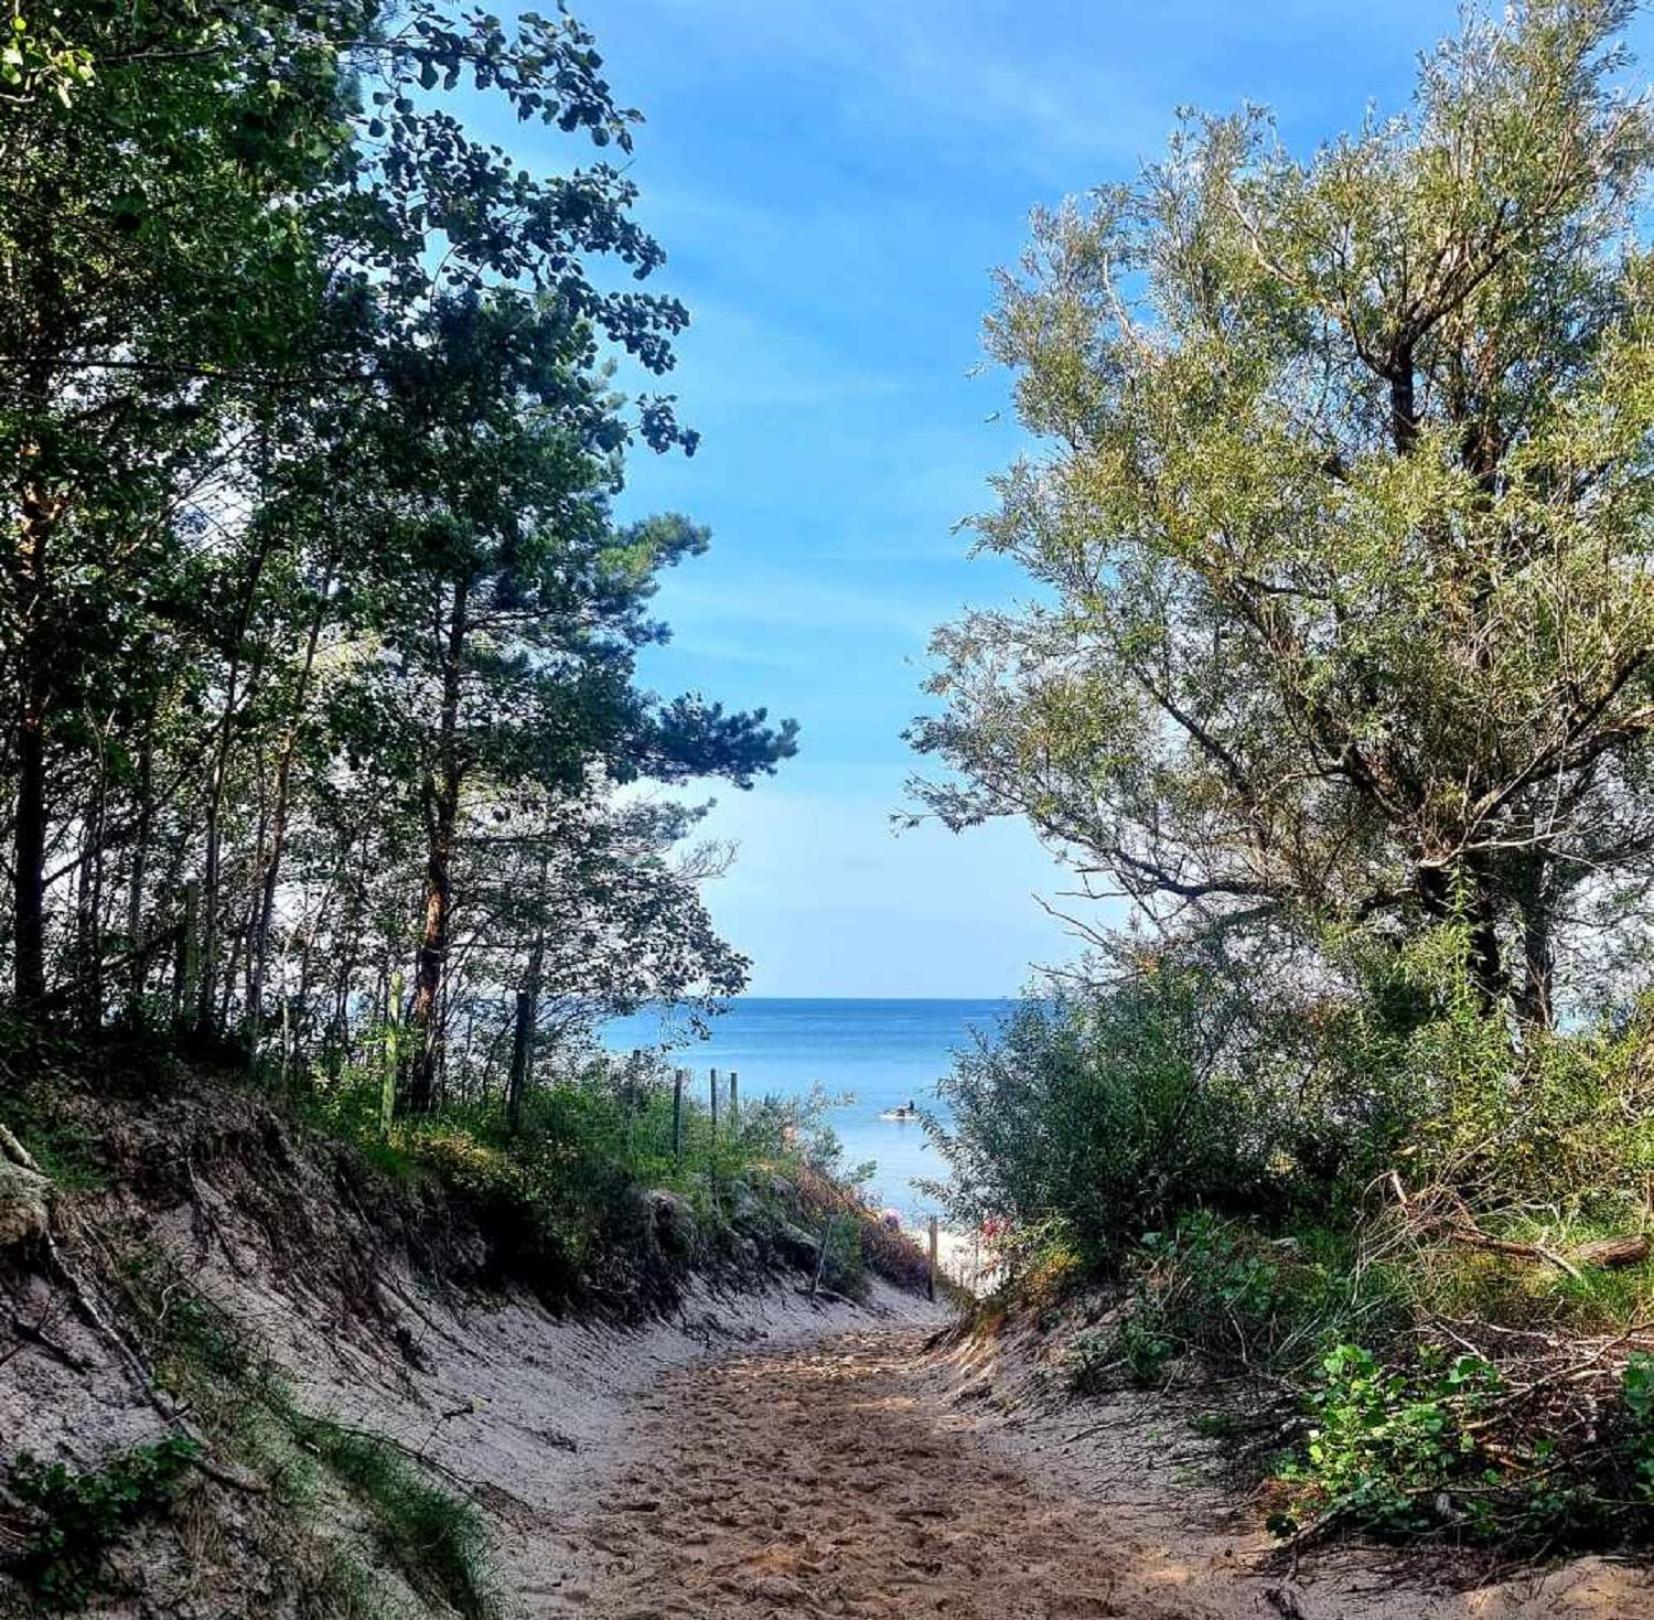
[(438, 1540)]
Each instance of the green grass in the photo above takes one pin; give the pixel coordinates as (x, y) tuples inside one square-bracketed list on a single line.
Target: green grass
[(438, 1540), (340, 1589), (204, 1357), (66, 1151), (1522, 1292)]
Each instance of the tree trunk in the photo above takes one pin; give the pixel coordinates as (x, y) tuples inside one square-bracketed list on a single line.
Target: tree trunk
[(1487, 970), (441, 819), (1612, 1252), (215, 794), (1534, 1001), (259, 946), (38, 512), (1483, 959), (1404, 422), (89, 911), (138, 946), (29, 835)]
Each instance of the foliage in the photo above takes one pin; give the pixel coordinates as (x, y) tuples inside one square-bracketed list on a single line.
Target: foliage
[(564, 1195), (1220, 1289), (83, 1514), (438, 1539), (1091, 1356), (1340, 525), (1337, 667), (64, 1149), (860, 1242), (1145, 1346), (1637, 1392), (1100, 1113), (1388, 1446), (1094, 1112), (318, 631)]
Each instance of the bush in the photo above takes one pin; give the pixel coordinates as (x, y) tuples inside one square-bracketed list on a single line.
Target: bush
[(1226, 1150), (562, 1198), (1102, 1114), (82, 1514), (1089, 1359), (1388, 1446), (1220, 1289), (1186, 1081)]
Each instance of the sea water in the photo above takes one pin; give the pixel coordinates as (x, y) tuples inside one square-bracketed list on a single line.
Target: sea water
[(881, 1054)]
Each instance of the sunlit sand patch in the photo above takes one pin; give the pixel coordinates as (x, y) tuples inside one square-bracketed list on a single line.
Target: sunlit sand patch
[(836, 1482)]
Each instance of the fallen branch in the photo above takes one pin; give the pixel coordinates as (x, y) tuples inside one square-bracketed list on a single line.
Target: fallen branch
[(175, 1418), (1458, 1227), (1613, 1252), (35, 1333), (1472, 1237)]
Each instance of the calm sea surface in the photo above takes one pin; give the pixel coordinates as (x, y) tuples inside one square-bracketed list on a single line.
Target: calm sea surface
[(882, 1053)]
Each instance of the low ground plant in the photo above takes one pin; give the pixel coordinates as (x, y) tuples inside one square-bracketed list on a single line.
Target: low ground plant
[(437, 1538), (1388, 1447), (212, 1365), (78, 1515), (1426, 1235), (563, 1190), (1221, 1289)]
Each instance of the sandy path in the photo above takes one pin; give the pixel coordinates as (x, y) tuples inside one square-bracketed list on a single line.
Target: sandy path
[(839, 1479), (821, 1483)]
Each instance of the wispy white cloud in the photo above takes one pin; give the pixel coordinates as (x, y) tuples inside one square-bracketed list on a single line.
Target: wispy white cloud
[(960, 70)]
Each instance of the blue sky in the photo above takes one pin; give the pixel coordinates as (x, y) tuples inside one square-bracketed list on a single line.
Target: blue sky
[(834, 181)]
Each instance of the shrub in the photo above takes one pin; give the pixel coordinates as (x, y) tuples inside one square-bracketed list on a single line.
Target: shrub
[(1188, 1082), (1100, 1113), (1222, 1289), (1227, 1140), (1637, 1393), (1388, 1445), (1144, 1343), (83, 1514), (561, 1197), (1090, 1357)]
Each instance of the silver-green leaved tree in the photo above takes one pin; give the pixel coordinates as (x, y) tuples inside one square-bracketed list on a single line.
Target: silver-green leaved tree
[(1342, 519)]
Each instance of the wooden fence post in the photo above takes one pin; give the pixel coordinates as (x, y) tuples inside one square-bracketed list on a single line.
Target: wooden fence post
[(633, 1062), (677, 1112), (734, 1103), (821, 1255), (935, 1246), (712, 1161)]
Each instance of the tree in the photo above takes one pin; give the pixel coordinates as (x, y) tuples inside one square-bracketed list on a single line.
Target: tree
[(153, 258), (315, 603), (589, 911), (510, 606), (1344, 528)]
